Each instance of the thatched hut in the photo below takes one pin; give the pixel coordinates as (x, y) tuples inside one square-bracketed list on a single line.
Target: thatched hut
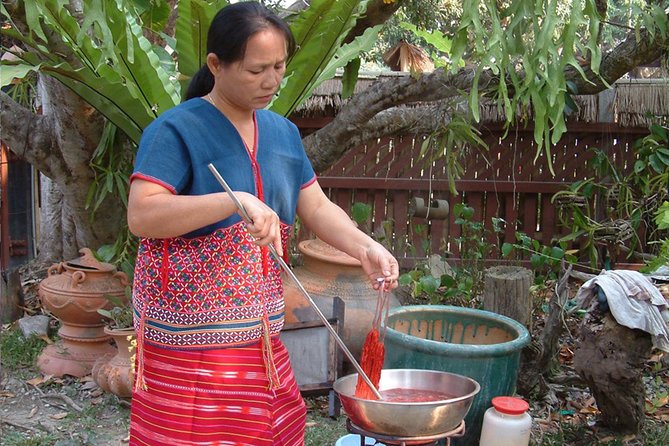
[(629, 103)]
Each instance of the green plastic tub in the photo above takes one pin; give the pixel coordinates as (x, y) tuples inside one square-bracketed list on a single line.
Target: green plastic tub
[(482, 345)]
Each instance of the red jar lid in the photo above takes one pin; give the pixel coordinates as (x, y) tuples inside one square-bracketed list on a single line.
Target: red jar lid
[(510, 405)]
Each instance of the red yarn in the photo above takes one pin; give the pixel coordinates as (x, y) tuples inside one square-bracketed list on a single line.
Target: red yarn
[(371, 362)]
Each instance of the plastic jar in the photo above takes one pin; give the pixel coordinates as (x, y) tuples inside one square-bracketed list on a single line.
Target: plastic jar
[(507, 423)]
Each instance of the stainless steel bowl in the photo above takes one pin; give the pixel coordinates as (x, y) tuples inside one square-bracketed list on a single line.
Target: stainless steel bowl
[(404, 419)]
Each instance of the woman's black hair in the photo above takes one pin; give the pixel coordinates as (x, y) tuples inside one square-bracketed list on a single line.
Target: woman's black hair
[(228, 35)]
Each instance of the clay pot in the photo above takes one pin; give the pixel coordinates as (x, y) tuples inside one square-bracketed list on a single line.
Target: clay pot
[(73, 292), (328, 273), (114, 373)]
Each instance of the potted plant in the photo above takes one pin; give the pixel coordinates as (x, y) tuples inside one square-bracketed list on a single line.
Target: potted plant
[(115, 373)]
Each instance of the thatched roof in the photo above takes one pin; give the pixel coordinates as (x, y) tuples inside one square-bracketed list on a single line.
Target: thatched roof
[(408, 57), (628, 103), (634, 99)]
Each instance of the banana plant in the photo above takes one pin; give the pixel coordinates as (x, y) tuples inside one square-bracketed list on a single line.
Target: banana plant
[(107, 60)]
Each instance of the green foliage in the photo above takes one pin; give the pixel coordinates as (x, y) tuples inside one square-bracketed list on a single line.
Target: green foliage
[(527, 46), (111, 165), (424, 15), (18, 352), (121, 313), (422, 283), (544, 260), (361, 213), (439, 41), (630, 202), (190, 35), (452, 141), (658, 396), (113, 66), (474, 247), (662, 216), (662, 222), (319, 33), (461, 284)]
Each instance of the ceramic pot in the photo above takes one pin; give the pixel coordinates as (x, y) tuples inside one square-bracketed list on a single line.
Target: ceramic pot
[(114, 372), (328, 273), (73, 291)]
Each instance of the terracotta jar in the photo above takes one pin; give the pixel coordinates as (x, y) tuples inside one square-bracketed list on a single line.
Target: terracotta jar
[(73, 291), (328, 273), (114, 373)]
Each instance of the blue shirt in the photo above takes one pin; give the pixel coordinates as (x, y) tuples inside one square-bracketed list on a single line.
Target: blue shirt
[(176, 148)]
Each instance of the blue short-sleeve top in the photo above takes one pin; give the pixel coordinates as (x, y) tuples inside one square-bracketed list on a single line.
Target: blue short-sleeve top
[(177, 147)]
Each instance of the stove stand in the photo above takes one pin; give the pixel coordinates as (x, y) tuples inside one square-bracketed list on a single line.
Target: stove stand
[(390, 440)]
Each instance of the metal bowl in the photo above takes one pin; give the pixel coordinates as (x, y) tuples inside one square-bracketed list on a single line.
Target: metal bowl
[(409, 419)]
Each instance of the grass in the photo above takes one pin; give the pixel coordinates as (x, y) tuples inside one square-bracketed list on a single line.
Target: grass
[(321, 429), (18, 352), (654, 433), (17, 439)]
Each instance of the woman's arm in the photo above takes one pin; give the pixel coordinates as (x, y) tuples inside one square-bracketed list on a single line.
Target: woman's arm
[(331, 224), (153, 211)]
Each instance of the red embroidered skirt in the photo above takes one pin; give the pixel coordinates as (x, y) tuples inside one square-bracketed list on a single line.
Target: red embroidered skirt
[(216, 397)]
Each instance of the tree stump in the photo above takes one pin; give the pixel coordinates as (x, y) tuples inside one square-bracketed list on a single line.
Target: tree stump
[(542, 356), (610, 359), (507, 292)]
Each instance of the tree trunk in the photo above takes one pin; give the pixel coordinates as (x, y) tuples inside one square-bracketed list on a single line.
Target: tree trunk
[(60, 143), (610, 358), (541, 356), (507, 292)]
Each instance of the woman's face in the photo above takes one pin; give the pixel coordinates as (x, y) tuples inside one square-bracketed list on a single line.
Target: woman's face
[(250, 83)]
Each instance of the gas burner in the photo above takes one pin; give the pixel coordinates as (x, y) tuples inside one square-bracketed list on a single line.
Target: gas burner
[(390, 440)]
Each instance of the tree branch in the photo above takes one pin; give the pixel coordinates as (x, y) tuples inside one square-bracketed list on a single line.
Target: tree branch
[(356, 123), (626, 56), (28, 135)]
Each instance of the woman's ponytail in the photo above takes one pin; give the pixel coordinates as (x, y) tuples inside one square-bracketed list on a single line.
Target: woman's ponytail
[(201, 84)]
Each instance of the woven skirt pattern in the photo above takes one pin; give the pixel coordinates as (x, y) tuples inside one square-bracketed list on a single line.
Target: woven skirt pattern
[(216, 397)]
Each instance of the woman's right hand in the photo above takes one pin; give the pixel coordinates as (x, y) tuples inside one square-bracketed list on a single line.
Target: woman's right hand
[(265, 225)]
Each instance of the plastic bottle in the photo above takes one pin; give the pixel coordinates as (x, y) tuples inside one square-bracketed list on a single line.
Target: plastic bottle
[(507, 423)]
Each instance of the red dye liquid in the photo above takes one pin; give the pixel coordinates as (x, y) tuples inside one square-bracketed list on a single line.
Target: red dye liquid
[(402, 395)]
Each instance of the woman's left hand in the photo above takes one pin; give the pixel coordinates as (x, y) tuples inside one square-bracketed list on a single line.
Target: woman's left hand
[(379, 264)]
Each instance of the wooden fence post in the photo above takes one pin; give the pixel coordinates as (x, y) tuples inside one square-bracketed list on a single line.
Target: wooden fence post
[(507, 292), (11, 296)]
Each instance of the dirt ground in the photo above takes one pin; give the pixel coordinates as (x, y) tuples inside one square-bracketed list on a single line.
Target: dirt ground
[(38, 410), (61, 411)]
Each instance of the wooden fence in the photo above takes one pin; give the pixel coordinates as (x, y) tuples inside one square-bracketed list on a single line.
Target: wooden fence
[(504, 181)]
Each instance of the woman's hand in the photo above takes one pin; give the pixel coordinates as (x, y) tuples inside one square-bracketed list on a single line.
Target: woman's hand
[(379, 264), (265, 226)]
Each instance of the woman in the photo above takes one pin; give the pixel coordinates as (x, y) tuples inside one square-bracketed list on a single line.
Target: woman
[(211, 368)]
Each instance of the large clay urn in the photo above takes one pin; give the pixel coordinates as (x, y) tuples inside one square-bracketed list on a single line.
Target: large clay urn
[(73, 291), (114, 373), (328, 273)]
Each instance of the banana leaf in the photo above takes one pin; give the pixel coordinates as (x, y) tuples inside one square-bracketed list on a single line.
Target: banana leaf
[(194, 17), (14, 70), (143, 70), (347, 53), (319, 32)]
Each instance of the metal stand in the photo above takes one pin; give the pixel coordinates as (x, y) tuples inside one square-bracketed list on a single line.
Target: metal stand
[(389, 440)]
